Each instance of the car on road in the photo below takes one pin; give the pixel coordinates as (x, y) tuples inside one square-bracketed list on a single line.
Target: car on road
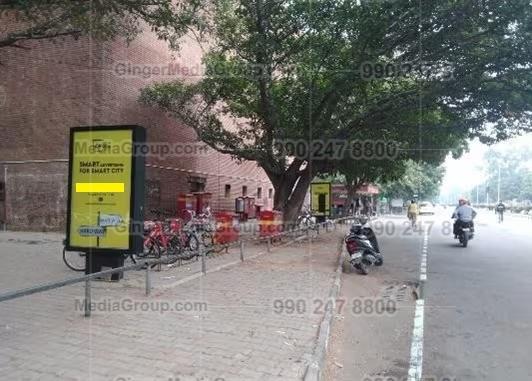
[(426, 207)]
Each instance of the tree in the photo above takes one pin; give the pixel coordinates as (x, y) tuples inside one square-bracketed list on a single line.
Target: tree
[(298, 71), (516, 173), (421, 179), (26, 20)]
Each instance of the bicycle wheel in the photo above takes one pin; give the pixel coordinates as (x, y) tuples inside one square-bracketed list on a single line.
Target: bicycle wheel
[(75, 260), (170, 254), (152, 250), (207, 238), (193, 243)]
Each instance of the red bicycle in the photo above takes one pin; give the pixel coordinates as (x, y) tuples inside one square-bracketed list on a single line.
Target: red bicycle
[(171, 240), (183, 241)]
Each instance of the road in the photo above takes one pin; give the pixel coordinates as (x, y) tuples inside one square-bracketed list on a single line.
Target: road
[(476, 322)]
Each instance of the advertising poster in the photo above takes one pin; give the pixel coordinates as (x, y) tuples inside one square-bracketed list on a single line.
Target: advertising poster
[(100, 204), (320, 199)]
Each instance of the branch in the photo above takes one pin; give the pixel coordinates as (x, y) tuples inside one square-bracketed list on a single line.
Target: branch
[(13, 39)]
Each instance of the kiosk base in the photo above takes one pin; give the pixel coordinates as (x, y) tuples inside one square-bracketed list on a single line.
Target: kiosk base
[(95, 262)]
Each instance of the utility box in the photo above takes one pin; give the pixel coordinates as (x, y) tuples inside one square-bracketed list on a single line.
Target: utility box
[(240, 209), (245, 208), (239, 205), (249, 207)]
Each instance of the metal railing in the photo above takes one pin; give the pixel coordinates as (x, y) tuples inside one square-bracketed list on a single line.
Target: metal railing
[(149, 263)]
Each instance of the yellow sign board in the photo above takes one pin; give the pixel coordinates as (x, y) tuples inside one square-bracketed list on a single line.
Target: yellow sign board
[(101, 189), (320, 199)]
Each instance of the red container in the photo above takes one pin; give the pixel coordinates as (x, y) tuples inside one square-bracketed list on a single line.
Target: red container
[(203, 200), (185, 201), (270, 223), (225, 232)]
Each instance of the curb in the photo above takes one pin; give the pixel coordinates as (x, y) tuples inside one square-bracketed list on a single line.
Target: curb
[(315, 367)]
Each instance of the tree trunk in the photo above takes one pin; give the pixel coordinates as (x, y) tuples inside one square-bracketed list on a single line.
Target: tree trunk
[(352, 186), (293, 205), (290, 190), (351, 194)]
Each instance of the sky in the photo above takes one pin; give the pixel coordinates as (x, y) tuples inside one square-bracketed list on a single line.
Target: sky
[(464, 173)]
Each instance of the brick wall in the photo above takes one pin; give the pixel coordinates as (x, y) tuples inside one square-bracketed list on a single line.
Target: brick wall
[(57, 85), (36, 195)]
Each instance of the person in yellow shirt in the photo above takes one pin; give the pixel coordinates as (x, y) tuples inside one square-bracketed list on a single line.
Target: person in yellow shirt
[(413, 212)]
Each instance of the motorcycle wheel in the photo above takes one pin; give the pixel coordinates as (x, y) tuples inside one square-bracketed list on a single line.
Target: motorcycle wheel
[(362, 268), (464, 239), (346, 266)]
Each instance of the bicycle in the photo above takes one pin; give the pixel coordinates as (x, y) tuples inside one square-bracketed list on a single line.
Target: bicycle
[(204, 224), (413, 219), (184, 242), (156, 242), (74, 260), (171, 240)]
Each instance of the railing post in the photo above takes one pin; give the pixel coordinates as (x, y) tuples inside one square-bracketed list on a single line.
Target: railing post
[(87, 303), (203, 264), (241, 251), (148, 280), (269, 243)]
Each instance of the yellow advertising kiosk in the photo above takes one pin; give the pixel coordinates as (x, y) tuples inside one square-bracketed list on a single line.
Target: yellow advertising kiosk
[(320, 200), (105, 192)]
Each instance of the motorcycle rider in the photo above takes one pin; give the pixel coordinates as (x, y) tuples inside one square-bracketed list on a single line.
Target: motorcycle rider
[(413, 211), (500, 209), (464, 215)]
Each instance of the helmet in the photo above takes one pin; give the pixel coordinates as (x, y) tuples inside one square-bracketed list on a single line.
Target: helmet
[(355, 228)]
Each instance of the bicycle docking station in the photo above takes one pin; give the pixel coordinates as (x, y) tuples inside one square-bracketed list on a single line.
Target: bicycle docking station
[(105, 210)]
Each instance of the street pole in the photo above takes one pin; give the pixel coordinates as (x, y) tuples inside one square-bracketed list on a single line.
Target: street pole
[(499, 185), (5, 197), (477, 194)]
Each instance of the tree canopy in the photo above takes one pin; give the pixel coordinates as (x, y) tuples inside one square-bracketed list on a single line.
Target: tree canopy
[(516, 174), (426, 75), (418, 178), (25, 20)]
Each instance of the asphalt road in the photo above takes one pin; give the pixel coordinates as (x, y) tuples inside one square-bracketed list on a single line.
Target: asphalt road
[(477, 320)]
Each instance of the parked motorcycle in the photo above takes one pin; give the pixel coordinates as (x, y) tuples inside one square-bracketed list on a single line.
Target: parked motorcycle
[(362, 247)]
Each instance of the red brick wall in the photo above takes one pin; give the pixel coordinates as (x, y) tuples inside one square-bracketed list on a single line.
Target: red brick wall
[(66, 83)]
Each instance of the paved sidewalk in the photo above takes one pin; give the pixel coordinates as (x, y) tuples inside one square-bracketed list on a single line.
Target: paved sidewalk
[(257, 320)]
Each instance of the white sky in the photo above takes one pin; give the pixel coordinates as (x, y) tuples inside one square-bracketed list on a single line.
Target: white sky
[(464, 173)]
